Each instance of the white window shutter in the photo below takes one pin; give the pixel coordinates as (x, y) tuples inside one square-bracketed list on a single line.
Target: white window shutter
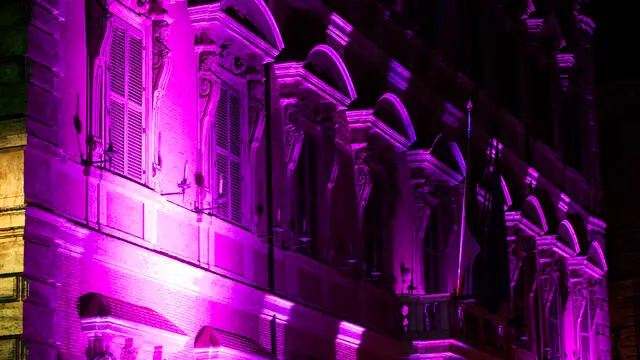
[(235, 152), (125, 123), (228, 155), (117, 109), (135, 91)]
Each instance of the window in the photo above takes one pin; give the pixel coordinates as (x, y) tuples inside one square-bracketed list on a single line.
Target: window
[(226, 153), (553, 326), (306, 206), (585, 321), (432, 254), (125, 110)]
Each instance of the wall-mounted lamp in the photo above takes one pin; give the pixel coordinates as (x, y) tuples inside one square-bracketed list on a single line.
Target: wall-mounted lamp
[(109, 152)]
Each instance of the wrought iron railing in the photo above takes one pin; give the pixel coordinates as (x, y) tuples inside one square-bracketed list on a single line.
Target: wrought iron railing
[(442, 317)]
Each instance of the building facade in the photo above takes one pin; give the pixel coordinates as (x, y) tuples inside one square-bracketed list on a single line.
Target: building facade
[(243, 179)]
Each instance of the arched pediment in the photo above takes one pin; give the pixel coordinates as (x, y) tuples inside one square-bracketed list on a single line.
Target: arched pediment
[(548, 209), (448, 152), (532, 211), (567, 235), (596, 256), (256, 16), (327, 65), (392, 112)]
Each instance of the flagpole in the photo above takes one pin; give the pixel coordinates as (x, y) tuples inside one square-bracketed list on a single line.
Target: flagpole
[(463, 222)]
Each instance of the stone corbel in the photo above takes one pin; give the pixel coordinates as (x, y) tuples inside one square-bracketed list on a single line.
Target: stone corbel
[(256, 113), (161, 70), (209, 85), (362, 175), (293, 133), (423, 209), (547, 283)]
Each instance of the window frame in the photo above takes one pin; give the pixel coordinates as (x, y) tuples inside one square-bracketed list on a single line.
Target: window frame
[(99, 107), (240, 86)]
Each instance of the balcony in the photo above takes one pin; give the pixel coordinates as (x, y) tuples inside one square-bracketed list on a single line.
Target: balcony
[(442, 324)]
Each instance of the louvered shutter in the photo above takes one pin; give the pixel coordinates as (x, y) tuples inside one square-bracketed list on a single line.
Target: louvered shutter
[(135, 126), (227, 154), (125, 122), (235, 155), (116, 110)]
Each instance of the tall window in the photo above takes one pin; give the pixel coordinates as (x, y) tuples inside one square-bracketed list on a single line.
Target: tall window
[(432, 253), (225, 154), (306, 206), (585, 321), (125, 111), (553, 326)]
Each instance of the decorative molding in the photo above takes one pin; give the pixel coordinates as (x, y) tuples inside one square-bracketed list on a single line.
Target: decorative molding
[(534, 25), (596, 225), (208, 17), (257, 114), (532, 178), (293, 134), (398, 76), (364, 119), (435, 168), (209, 85), (564, 203), (422, 209), (294, 72), (362, 175), (339, 30)]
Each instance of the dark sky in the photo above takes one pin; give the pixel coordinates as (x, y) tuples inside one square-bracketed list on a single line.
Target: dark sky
[(617, 40)]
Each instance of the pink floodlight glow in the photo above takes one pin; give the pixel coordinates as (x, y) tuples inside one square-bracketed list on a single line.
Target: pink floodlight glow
[(362, 119), (402, 112), (572, 234), (337, 61)]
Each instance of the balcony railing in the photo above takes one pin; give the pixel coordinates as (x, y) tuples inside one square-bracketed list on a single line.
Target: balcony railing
[(443, 317)]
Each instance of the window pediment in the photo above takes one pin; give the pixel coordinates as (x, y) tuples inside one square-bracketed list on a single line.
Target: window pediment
[(363, 123), (244, 26), (295, 76)]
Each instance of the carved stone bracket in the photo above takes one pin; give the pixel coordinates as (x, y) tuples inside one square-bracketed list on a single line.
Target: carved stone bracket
[(547, 282), (209, 93), (565, 63), (423, 209), (341, 131), (362, 175), (293, 134), (256, 114)]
